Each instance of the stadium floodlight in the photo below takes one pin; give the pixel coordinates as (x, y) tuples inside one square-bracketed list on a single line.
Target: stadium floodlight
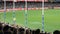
[(43, 15), (26, 13), (14, 18), (4, 10)]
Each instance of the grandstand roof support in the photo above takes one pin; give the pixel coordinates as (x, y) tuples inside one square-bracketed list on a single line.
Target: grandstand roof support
[(43, 16)]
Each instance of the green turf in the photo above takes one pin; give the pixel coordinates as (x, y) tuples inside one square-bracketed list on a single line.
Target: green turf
[(51, 19)]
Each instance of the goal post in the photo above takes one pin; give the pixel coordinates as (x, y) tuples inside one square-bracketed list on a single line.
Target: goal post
[(43, 15), (4, 10), (26, 18), (14, 15)]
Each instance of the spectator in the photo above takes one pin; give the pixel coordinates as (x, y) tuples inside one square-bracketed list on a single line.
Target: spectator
[(56, 32)]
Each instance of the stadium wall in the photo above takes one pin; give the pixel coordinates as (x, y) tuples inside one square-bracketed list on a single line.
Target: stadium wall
[(28, 9), (28, 0)]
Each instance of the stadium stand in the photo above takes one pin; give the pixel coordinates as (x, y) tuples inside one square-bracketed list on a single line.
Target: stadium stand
[(57, 0), (13, 29), (9, 5)]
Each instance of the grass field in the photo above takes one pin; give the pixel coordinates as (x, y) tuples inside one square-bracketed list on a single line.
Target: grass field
[(51, 19)]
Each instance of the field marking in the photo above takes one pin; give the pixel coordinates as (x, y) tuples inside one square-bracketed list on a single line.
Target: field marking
[(39, 23)]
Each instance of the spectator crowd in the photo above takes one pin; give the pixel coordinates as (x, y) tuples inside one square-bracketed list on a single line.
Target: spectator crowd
[(29, 5), (6, 28)]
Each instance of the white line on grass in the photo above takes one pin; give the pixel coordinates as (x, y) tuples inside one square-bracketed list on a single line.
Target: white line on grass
[(35, 23)]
